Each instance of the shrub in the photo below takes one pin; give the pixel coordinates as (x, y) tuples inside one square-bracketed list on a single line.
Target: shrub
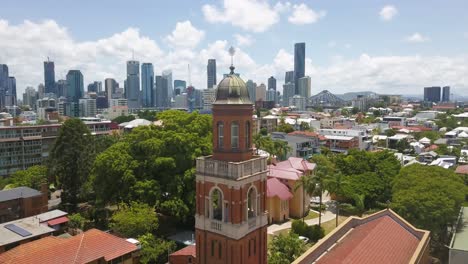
[(299, 227), (313, 233), (347, 209)]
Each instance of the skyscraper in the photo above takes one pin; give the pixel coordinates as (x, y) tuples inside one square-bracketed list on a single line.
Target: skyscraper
[(49, 77), (260, 92), (61, 87), (304, 87), (272, 83), (167, 75), (288, 92), (147, 84), (432, 94), (10, 95), (211, 73), (299, 63), (75, 87), (289, 77), (446, 94), (110, 86), (251, 87), (3, 84), (30, 97), (161, 97), (132, 84), (180, 86)]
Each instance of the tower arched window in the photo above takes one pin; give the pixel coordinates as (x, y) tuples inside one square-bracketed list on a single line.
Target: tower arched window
[(252, 202), (220, 135), (247, 135), (235, 135), (216, 198)]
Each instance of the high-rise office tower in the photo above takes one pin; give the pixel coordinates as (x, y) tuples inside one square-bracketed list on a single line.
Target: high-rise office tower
[(272, 83), (167, 75), (49, 77), (41, 90), (61, 87), (299, 63), (180, 85), (211, 73), (251, 87), (110, 87), (161, 92), (132, 84), (30, 97), (3, 84), (147, 84), (75, 87), (304, 86), (289, 77), (260, 92), (94, 87), (10, 94), (288, 92), (432, 94), (446, 94), (271, 95)]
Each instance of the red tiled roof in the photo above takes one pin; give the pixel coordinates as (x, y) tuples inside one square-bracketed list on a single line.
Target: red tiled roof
[(287, 174), (57, 221), (382, 240), (277, 188), (462, 169), (432, 147), (186, 251), (84, 248)]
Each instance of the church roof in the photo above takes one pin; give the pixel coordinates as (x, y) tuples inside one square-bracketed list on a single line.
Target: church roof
[(232, 90)]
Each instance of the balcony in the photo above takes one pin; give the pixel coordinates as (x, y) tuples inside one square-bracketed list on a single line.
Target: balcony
[(235, 231), (231, 170)]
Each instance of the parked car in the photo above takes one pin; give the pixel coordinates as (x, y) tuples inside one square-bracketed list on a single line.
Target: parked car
[(305, 239)]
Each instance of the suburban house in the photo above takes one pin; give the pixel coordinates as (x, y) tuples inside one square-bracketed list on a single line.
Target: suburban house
[(383, 237), (303, 144), (185, 255), (93, 247), (283, 200), (21, 231), (345, 138), (22, 202)]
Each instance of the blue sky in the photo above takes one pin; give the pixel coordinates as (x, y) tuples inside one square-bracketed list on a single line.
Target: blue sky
[(411, 45)]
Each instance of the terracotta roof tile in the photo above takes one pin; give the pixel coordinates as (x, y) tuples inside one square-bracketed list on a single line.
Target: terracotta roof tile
[(84, 248), (277, 188), (186, 251), (382, 241), (462, 169)]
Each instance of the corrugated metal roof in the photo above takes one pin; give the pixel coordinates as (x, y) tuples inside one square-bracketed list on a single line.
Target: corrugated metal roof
[(16, 193)]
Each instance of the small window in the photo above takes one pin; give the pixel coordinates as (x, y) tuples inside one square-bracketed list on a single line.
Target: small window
[(220, 135), (212, 247), (219, 250), (247, 134), (235, 135)]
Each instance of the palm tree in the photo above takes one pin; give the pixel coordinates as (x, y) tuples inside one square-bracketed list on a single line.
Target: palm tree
[(261, 141), (308, 185), (281, 149), (319, 180), (336, 184)]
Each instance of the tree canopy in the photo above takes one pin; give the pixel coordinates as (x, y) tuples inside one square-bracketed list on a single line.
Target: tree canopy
[(429, 197), (284, 249), (33, 177), (134, 220)]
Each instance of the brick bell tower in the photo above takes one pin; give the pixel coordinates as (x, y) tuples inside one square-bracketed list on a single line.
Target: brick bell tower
[(230, 219)]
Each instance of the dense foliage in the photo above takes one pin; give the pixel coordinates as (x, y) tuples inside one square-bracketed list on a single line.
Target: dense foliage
[(284, 249), (155, 250), (71, 158), (33, 177), (429, 197), (134, 220), (313, 232)]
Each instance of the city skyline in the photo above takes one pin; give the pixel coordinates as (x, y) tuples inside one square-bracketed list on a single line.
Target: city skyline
[(399, 51)]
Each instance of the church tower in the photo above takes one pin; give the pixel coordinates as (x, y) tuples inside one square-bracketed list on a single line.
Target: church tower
[(230, 218)]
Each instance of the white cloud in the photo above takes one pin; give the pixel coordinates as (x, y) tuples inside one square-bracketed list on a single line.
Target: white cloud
[(302, 14), (30, 43), (332, 44), (243, 40), (185, 35), (416, 38), (250, 15), (388, 12), (347, 46)]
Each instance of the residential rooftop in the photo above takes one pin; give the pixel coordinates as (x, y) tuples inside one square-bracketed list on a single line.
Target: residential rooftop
[(16, 193)]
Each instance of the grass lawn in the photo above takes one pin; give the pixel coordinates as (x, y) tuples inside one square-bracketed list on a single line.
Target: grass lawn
[(330, 225), (311, 215)]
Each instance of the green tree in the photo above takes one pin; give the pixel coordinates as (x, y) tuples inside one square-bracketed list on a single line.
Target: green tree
[(71, 159), (284, 249), (32, 177), (336, 185), (286, 128), (304, 126), (134, 220), (113, 174), (123, 119), (76, 221), (354, 110), (390, 132), (429, 197), (147, 114), (155, 250)]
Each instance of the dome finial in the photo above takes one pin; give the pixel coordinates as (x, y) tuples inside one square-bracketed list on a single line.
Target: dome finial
[(232, 51)]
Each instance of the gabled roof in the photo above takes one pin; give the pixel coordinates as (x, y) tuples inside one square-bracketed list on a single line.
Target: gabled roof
[(296, 163), (83, 248), (277, 188), (186, 251), (383, 237)]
